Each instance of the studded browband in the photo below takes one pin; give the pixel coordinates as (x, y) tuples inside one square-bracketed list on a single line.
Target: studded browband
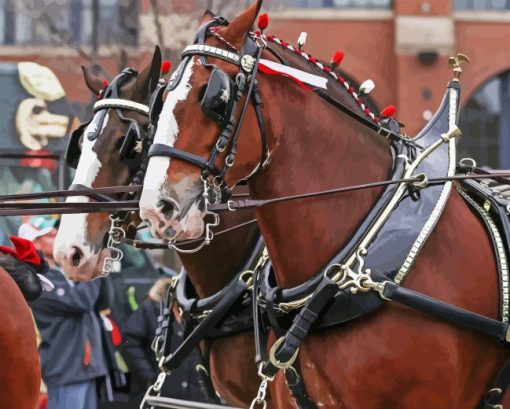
[(246, 62)]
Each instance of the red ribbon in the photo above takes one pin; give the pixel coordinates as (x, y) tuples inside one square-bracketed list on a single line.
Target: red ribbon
[(24, 250)]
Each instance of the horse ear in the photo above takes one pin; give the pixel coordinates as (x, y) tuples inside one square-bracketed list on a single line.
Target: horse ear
[(207, 16), (237, 31), (93, 82), (148, 79)]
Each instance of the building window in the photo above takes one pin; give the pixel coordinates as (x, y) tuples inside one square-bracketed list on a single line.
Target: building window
[(485, 123), (34, 22), (354, 4), (481, 4)]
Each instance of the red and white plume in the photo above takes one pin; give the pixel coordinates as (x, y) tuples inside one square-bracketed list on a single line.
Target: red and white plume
[(389, 111), (263, 22), (337, 58), (367, 87), (302, 39), (166, 66)]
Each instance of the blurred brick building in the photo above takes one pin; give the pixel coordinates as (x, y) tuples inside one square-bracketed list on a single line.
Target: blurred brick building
[(403, 45)]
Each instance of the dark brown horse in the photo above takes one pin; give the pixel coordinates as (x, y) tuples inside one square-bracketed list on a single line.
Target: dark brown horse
[(80, 251), (396, 358), (20, 372)]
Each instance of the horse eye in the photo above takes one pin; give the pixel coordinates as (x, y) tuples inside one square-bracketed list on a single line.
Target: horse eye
[(37, 110)]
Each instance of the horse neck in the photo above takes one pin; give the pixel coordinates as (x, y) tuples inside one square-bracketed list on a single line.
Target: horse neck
[(315, 147), (215, 265)]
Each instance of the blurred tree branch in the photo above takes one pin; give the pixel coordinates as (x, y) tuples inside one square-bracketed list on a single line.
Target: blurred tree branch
[(24, 8), (67, 39), (159, 28)]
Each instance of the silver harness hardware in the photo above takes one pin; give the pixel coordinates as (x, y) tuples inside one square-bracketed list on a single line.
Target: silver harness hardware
[(116, 236), (260, 400)]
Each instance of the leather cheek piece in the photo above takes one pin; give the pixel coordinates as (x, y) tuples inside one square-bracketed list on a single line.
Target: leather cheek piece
[(156, 105)]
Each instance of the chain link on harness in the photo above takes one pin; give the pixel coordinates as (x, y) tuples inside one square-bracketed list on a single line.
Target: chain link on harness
[(260, 400), (154, 390), (166, 309), (116, 236)]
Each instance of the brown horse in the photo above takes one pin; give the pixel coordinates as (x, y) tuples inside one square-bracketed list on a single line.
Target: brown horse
[(396, 358), (209, 270), (20, 372)]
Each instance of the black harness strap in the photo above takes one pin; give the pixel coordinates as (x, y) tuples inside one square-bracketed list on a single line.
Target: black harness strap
[(446, 311), (162, 342), (159, 149), (493, 398), (285, 350), (260, 328), (297, 387), (233, 292)]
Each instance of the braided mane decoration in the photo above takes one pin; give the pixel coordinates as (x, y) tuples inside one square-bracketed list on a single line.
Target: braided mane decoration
[(324, 68)]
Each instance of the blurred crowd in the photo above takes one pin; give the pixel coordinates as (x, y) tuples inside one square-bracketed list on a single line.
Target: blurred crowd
[(88, 361)]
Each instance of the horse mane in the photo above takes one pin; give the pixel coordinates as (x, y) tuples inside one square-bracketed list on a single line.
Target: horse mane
[(339, 88)]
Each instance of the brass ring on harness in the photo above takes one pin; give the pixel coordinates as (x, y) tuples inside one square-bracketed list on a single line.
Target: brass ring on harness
[(230, 204), (275, 361), (469, 163), (247, 278), (202, 368), (421, 181)]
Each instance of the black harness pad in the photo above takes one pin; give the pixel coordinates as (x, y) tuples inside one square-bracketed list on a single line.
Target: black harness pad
[(398, 243)]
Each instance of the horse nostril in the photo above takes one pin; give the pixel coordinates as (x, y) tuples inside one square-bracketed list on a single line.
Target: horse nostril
[(167, 208), (76, 256)]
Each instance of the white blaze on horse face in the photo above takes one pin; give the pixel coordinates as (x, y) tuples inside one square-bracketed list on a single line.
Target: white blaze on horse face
[(166, 134), (73, 227)]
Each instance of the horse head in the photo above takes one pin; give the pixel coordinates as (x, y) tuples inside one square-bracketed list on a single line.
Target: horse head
[(195, 141), (107, 151)]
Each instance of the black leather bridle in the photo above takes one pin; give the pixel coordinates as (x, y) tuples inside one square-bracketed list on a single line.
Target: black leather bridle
[(245, 85)]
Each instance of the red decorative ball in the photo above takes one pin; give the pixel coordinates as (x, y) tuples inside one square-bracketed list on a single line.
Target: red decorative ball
[(337, 58), (263, 21), (389, 111), (105, 84), (166, 66)]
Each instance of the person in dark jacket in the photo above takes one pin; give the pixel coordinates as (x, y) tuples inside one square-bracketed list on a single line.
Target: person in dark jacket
[(184, 382), (71, 349)]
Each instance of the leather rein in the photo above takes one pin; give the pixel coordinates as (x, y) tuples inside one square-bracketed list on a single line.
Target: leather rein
[(106, 203)]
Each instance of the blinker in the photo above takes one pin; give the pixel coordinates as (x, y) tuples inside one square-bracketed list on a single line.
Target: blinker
[(96, 126), (218, 97)]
